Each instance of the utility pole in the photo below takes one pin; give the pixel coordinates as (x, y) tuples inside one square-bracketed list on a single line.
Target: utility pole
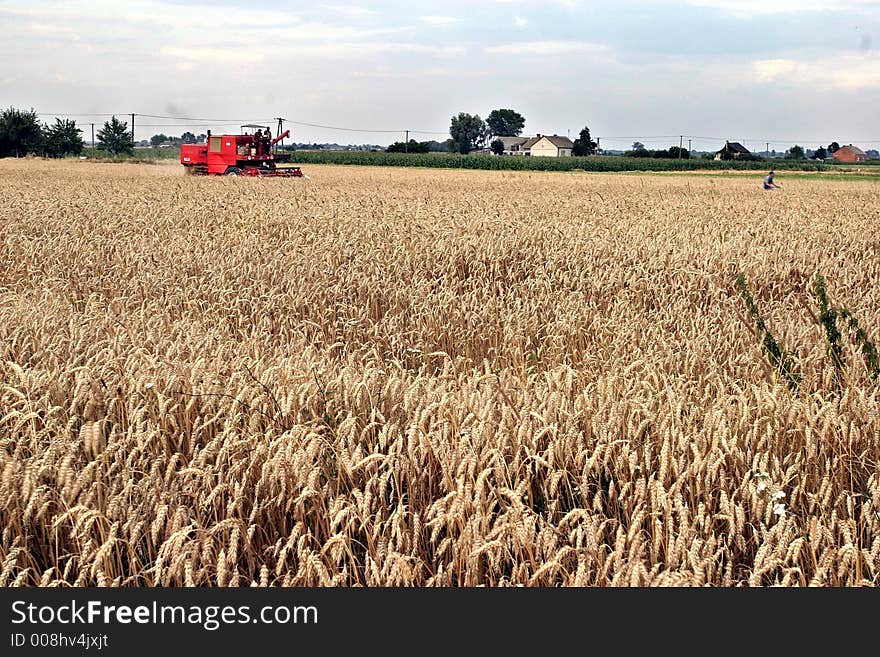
[(93, 135), (767, 148), (680, 144), (406, 142), (132, 127), (689, 146), (280, 130), (598, 145)]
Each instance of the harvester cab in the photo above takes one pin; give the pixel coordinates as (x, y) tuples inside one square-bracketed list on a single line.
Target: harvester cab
[(247, 154)]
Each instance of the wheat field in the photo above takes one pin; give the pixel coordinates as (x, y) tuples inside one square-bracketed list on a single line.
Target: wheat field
[(392, 377)]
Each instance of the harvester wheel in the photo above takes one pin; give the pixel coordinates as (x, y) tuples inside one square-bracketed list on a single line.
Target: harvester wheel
[(234, 171)]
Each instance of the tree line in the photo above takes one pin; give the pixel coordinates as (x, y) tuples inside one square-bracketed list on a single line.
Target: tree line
[(469, 132), (22, 133), (185, 138)]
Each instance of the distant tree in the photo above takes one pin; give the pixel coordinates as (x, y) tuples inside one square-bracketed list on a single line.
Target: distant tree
[(20, 133), (155, 140), (188, 138), (675, 152), (833, 147), (638, 146), (202, 138), (820, 153), (436, 146), (62, 138), (469, 132), (584, 145), (497, 147), (795, 153), (505, 123), (115, 137), (412, 146), (873, 154)]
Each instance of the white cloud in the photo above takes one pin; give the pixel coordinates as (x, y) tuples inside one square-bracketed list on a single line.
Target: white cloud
[(440, 20), (321, 49), (770, 70), (841, 71), (751, 8), (547, 48), (209, 55), (54, 30), (385, 73), (519, 21), (353, 12), (151, 12)]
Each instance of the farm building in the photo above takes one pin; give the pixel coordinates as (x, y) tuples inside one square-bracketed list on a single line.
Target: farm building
[(849, 153), (551, 146), (541, 145), (731, 151), (526, 147), (512, 145)]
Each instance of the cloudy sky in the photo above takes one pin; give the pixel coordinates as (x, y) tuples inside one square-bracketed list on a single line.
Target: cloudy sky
[(783, 71)]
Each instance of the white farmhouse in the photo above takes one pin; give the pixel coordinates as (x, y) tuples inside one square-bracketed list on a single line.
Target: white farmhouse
[(551, 146), (543, 145)]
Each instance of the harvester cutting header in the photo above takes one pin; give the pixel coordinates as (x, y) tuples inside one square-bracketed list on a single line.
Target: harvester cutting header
[(247, 154)]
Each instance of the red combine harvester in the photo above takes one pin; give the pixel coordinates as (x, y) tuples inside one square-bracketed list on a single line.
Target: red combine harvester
[(238, 155)]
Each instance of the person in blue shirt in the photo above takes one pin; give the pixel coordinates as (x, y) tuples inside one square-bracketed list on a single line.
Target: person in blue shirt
[(768, 182)]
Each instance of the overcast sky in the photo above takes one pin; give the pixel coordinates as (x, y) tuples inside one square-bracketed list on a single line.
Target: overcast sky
[(783, 71)]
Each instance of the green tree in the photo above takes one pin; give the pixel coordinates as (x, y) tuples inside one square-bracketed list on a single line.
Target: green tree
[(505, 123), (412, 146), (638, 146), (155, 140), (20, 133), (675, 152), (820, 154), (115, 137), (832, 147), (188, 138), (795, 153), (435, 146), (469, 132), (584, 145), (497, 147), (62, 138)]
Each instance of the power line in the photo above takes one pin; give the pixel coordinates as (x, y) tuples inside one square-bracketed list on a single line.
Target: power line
[(191, 118), (304, 123), (181, 125), (331, 127), (74, 114)]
